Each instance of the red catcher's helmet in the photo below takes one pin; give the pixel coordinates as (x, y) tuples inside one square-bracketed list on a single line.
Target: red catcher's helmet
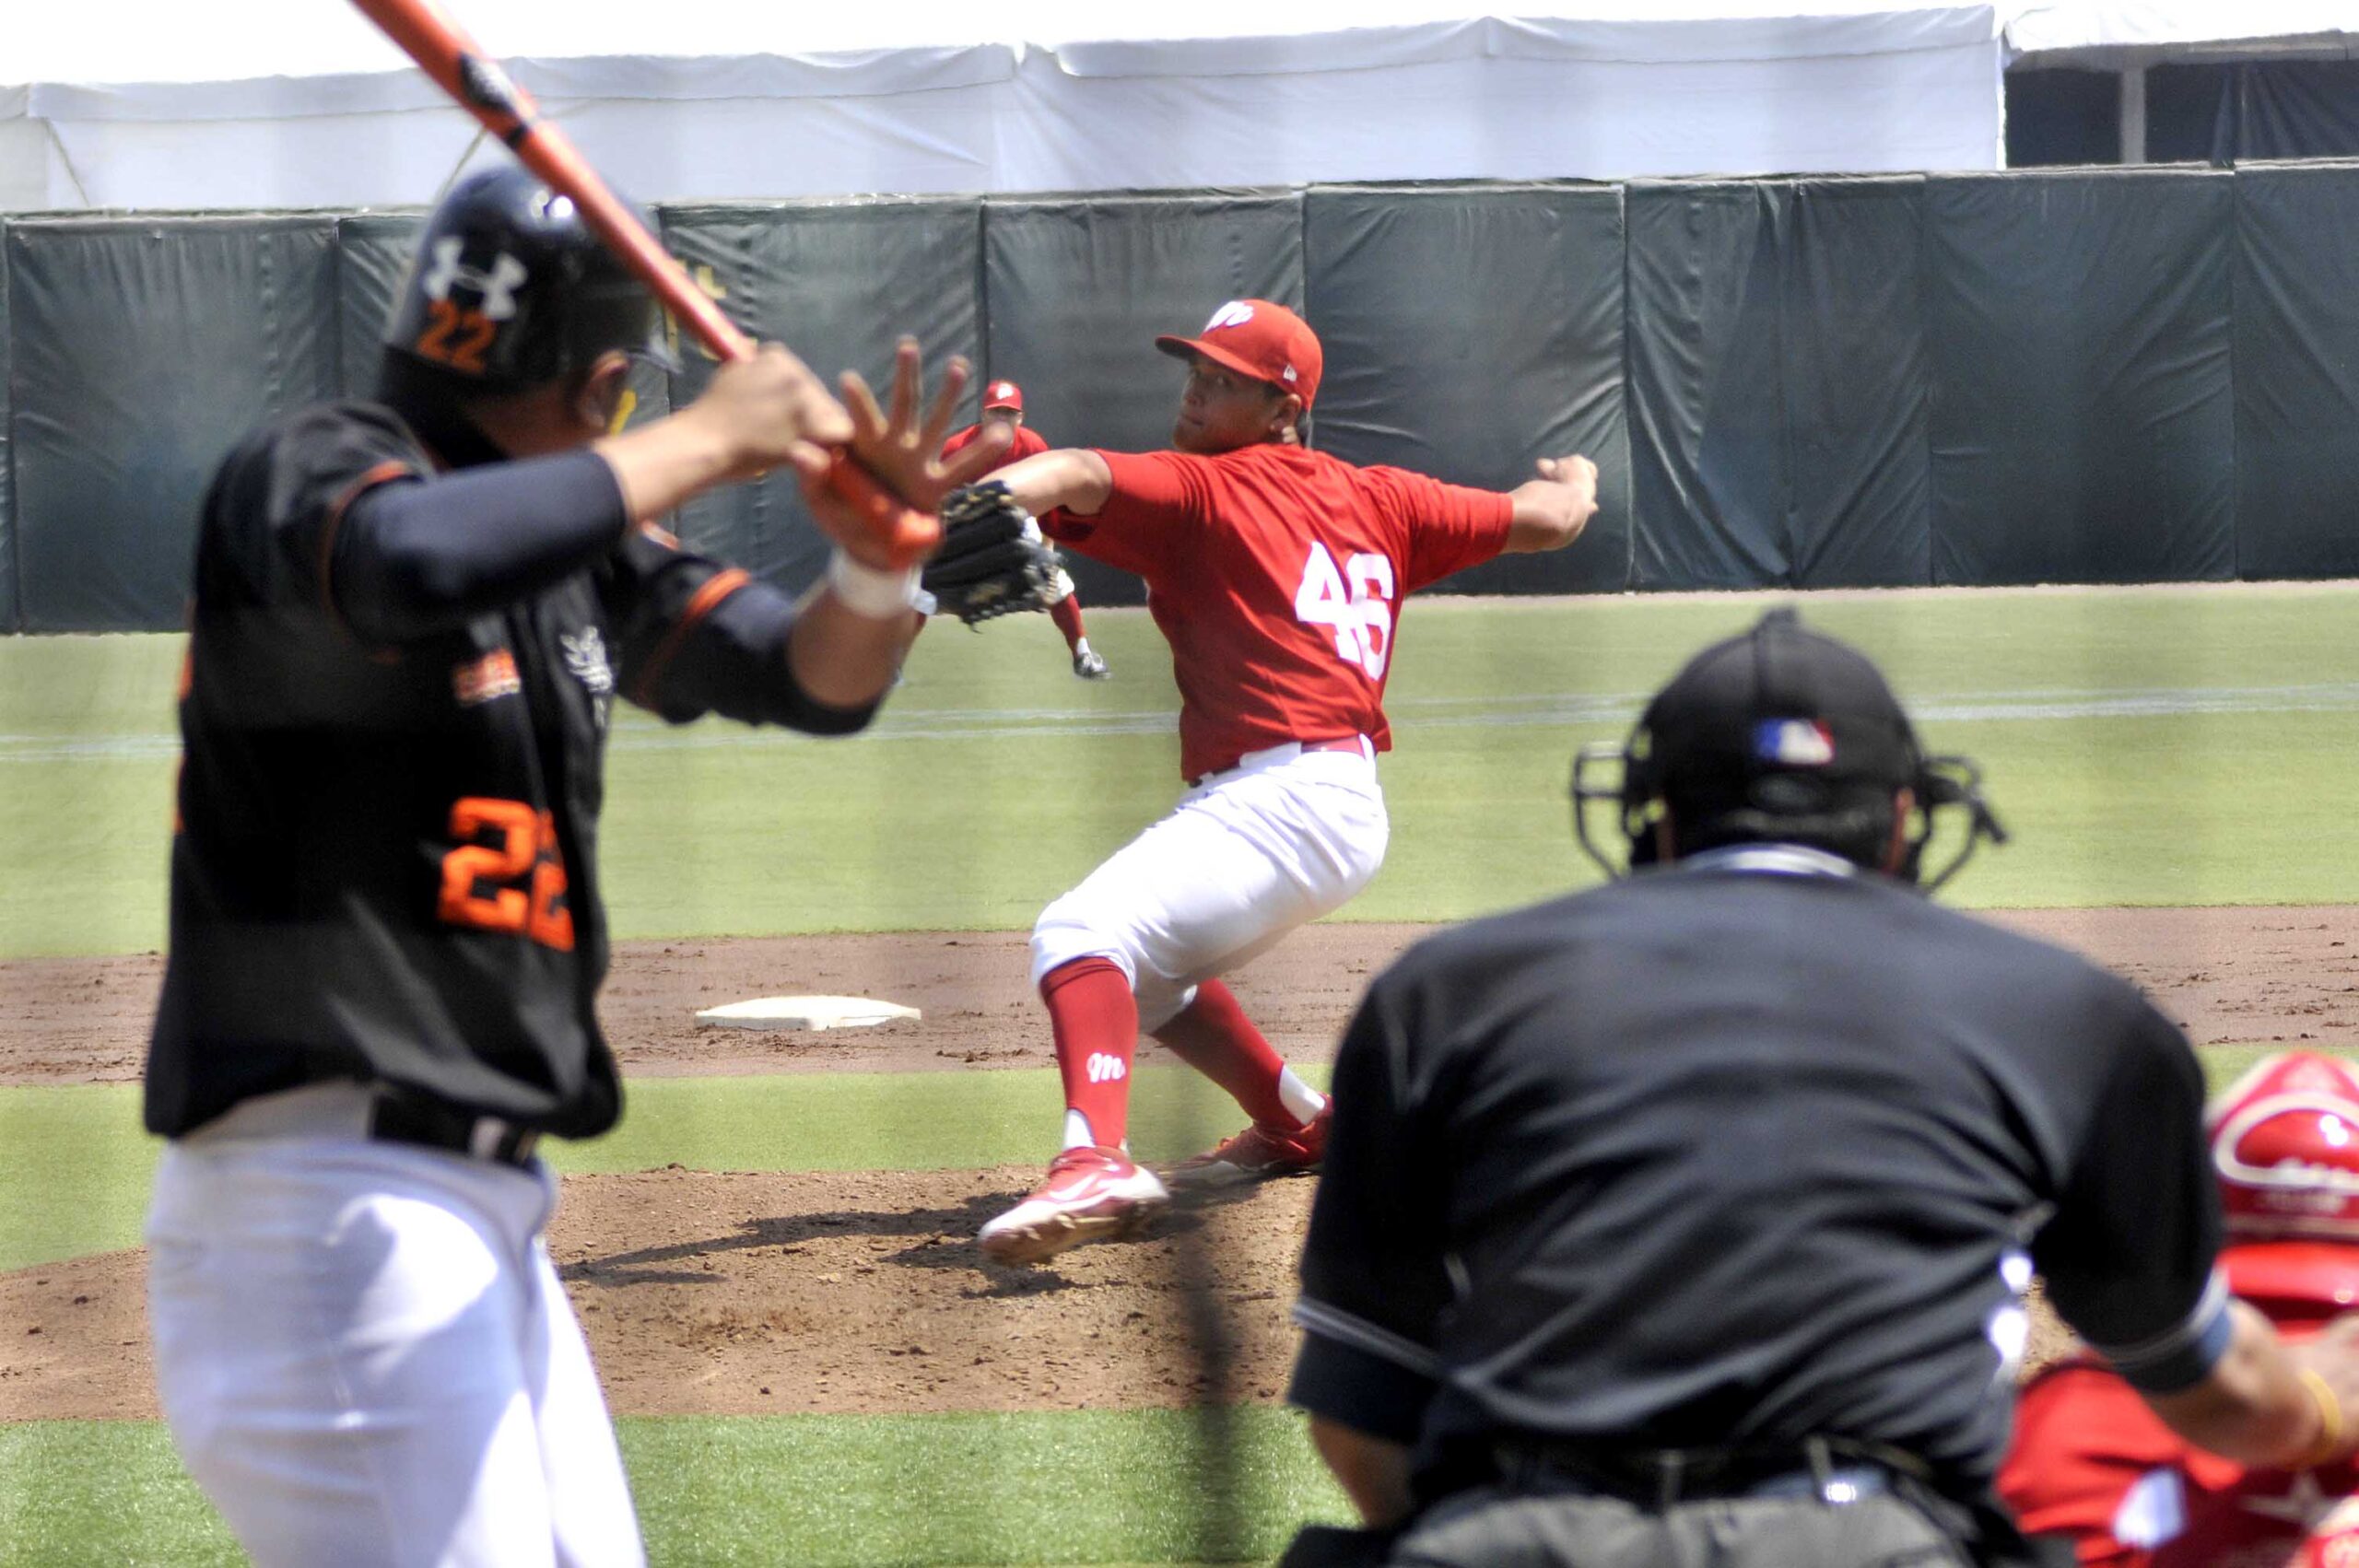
[(2285, 1148)]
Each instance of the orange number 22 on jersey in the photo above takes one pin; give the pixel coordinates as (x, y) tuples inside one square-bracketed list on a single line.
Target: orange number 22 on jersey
[(506, 874)]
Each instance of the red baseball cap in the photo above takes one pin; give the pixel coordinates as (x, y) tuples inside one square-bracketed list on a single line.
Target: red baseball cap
[(1003, 394), (1258, 338)]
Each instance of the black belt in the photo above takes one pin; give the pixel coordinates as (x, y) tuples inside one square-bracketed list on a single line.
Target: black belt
[(1833, 1470), (461, 1132)]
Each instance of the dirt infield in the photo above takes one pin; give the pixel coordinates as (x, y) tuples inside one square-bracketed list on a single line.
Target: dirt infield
[(734, 1293), (731, 1294), (2224, 974)]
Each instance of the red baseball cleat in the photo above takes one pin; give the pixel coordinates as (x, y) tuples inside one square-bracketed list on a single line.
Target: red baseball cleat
[(1259, 1154), (1092, 1194)]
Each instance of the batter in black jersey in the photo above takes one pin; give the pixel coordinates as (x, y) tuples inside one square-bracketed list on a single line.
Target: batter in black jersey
[(1688, 1220), (412, 618)]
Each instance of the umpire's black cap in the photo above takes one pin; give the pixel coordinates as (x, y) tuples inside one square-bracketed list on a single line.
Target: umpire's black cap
[(1780, 700)]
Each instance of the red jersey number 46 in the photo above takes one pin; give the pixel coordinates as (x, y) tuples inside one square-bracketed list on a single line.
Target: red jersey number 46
[(1356, 602)]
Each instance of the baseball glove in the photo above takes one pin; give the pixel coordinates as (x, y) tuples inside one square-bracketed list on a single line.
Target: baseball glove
[(993, 560)]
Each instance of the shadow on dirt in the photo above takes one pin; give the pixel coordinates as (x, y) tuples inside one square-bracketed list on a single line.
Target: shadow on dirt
[(939, 1238)]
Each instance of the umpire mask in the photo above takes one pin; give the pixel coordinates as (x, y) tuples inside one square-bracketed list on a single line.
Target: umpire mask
[(1780, 735)]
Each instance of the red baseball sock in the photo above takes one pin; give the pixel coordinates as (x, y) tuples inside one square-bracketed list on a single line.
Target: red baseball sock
[(1214, 1037), (1066, 613), (1096, 1021)]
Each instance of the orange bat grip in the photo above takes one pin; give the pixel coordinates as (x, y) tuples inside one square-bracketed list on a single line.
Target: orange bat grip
[(457, 63)]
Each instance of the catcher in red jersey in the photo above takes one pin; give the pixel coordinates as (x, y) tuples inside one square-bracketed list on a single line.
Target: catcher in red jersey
[(1004, 408), (1276, 573), (2092, 1465)]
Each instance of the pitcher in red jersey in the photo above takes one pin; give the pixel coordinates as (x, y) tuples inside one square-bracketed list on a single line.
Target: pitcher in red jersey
[(2092, 1465), (1276, 573)]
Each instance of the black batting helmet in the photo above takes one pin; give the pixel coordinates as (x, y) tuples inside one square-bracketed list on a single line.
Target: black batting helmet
[(1779, 735), (510, 288)]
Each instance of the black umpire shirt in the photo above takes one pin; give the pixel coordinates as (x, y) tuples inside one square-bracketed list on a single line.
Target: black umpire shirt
[(393, 716), (1743, 1150)]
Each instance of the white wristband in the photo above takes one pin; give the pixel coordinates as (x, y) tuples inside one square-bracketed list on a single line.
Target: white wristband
[(868, 593)]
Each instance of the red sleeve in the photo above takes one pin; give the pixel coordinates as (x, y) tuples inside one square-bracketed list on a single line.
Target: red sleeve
[(1159, 500), (1449, 527), (2082, 1439)]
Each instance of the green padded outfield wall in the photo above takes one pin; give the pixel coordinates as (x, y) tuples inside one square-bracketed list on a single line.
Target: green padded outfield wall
[(1778, 384), (141, 348), (372, 257), (1706, 448), (1469, 331), (836, 281), (2063, 375), (10, 618), (2078, 330), (2297, 371), (1075, 290), (1854, 383)]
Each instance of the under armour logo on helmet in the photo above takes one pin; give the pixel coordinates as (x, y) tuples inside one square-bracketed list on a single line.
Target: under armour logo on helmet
[(1236, 313), (497, 288)]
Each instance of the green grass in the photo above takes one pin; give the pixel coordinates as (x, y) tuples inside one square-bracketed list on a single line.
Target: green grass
[(1094, 1486), (77, 1493), (2158, 747), (81, 1165), (814, 1492), (90, 1164)]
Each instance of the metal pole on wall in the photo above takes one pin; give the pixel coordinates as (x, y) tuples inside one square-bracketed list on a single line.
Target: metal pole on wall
[(2133, 110)]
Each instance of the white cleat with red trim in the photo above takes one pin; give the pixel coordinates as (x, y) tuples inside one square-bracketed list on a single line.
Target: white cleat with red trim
[(1092, 1194)]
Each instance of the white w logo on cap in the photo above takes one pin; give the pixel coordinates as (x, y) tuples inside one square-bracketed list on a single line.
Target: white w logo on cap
[(1236, 313)]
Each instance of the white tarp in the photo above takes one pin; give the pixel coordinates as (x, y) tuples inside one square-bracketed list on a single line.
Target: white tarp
[(2107, 24), (287, 103)]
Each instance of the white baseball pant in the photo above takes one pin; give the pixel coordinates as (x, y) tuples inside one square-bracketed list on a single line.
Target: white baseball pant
[(1246, 856), (364, 1353)]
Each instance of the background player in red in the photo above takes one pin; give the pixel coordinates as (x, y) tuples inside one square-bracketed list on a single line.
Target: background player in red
[(2092, 1464), (1276, 573), (1003, 406)]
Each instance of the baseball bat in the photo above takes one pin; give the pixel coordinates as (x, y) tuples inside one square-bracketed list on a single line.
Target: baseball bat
[(444, 52)]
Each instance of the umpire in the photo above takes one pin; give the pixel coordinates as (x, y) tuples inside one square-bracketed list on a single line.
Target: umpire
[(1686, 1221)]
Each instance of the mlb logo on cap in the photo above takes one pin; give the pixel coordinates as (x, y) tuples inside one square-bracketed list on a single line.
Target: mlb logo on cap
[(1003, 394), (1793, 743)]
